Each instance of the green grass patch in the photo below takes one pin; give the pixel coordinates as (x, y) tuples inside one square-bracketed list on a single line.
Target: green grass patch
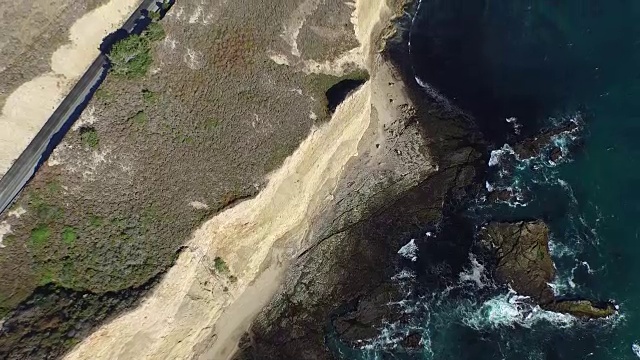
[(220, 265), (149, 96), (96, 221), (140, 118), (54, 187), (8, 240), (40, 236), (89, 137), (212, 124), (104, 95), (47, 277), (69, 235), (149, 217)]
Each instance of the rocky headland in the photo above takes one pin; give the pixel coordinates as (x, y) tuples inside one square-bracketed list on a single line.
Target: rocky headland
[(311, 256)]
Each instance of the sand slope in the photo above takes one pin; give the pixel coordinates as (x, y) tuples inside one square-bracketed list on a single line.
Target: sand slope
[(192, 304)]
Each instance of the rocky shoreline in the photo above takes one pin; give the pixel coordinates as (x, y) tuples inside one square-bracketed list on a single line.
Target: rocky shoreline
[(431, 161), (341, 287), (414, 169)]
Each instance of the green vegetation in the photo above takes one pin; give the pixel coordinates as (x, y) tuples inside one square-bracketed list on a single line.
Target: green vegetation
[(69, 235), (96, 221), (46, 278), (140, 118), (166, 4), (89, 137), (44, 212), (9, 239), (220, 265), (131, 57), (104, 95), (155, 32), (40, 235), (149, 96), (54, 187), (212, 124)]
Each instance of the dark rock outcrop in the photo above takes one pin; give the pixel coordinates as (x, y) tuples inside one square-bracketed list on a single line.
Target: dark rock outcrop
[(532, 147), (583, 308), (522, 257), (522, 260)]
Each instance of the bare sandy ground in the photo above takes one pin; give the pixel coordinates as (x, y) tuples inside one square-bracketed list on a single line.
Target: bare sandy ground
[(28, 108), (194, 312)]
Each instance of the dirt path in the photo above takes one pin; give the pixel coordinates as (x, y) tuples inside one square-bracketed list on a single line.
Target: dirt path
[(29, 106), (192, 304)]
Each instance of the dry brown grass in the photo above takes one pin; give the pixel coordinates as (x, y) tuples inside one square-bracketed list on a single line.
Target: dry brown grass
[(207, 134)]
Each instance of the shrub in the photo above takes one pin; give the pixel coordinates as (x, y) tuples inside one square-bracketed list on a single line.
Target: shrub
[(104, 95), (69, 235), (96, 221), (220, 265), (89, 137), (131, 57), (140, 118), (155, 32), (149, 96), (40, 235)]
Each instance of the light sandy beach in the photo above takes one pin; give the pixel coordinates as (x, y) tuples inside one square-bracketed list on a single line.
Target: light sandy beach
[(28, 108), (195, 312)]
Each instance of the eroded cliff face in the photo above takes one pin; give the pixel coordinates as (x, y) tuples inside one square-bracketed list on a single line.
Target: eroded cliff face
[(409, 177)]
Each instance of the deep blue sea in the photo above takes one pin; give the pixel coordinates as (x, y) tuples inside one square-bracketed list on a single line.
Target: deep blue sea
[(517, 67)]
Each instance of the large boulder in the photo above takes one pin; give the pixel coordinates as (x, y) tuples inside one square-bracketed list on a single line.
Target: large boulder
[(522, 256), (522, 260)]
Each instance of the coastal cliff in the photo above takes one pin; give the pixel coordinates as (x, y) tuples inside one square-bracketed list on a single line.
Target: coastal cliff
[(412, 178)]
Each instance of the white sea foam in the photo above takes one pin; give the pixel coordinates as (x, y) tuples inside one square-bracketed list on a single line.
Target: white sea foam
[(434, 93), (497, 155), (489, 187), (475, 273), (410, 250), (508, 310), (559, 250), (516, 125), (404, 275), (636, 349)]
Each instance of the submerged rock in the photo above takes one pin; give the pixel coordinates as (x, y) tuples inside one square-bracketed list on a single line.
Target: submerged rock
[(532, 147), (583, 308), (523, 261)]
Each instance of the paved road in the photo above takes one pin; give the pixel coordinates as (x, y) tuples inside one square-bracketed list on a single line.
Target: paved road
[(26, 165)]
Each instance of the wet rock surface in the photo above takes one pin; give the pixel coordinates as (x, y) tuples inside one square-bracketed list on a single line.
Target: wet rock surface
[(522, 257), (523, 261), (533, 146)]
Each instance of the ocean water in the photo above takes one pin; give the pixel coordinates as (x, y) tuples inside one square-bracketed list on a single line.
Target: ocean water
[(518, 67)]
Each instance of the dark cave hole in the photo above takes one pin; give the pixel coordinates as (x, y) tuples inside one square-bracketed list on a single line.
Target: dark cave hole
[(338, 92)]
